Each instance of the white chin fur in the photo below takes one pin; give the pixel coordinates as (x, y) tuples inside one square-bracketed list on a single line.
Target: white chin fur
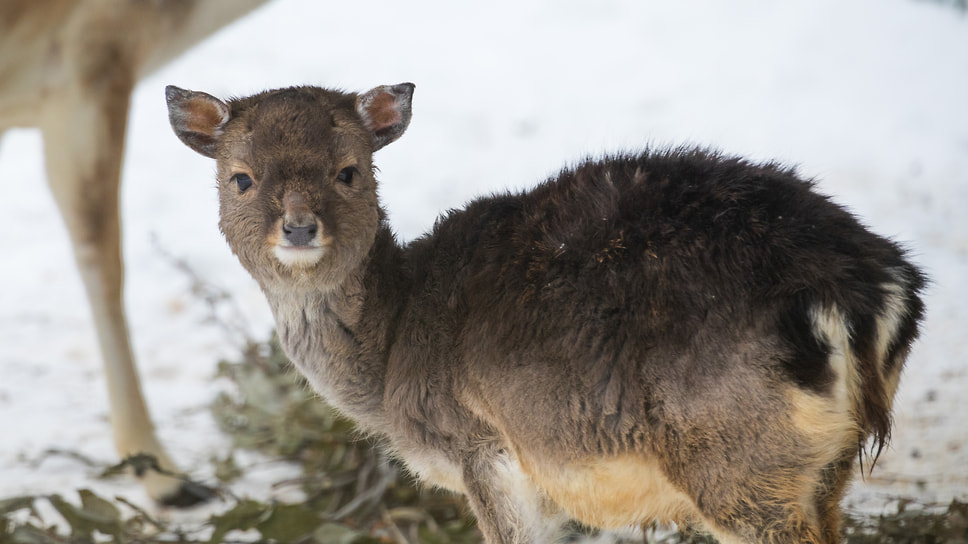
[(299, 257)]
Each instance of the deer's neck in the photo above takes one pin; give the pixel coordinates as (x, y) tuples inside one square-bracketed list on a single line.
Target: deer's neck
[(337, 336)]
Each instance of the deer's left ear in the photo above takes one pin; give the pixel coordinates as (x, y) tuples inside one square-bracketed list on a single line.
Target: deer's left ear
[(386, 112), (197, 118)]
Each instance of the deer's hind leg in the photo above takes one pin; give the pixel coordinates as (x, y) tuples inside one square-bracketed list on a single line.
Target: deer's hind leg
[(768, 517), (793, 494), (836, 476), (84, 130)]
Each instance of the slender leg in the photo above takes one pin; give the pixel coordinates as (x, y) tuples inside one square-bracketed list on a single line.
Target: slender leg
[(767, 516), (835, 479), (84, 143), (510, 509)]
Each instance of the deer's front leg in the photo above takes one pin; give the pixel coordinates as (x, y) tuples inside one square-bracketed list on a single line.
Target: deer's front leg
[(84, 131), (510, 509)]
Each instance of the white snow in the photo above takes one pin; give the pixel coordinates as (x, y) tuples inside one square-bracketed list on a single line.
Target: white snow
[(871, 97)]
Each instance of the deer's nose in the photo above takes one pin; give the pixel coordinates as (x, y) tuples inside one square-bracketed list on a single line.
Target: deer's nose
[(299, 224), (299, 235)]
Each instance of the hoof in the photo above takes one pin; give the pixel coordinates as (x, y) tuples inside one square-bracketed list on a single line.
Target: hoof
[(187, 495)]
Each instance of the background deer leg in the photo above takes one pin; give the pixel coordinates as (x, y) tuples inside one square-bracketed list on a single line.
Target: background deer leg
[(84, 144)]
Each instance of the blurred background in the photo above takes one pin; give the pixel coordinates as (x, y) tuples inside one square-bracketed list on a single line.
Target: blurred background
[(868, 97)]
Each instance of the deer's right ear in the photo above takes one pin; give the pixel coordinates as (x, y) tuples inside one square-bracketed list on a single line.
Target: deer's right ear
[(197, 118)]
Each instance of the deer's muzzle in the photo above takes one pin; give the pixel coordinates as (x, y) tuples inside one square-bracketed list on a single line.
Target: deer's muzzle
[(300, 242)]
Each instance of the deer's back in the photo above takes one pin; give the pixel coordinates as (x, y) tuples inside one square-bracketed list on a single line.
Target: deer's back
[(642, 302)]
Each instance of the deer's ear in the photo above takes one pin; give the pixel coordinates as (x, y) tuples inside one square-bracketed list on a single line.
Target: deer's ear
[(386, 112), (197, 118)]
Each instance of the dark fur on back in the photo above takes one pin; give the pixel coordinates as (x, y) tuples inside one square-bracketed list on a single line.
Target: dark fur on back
[(670, 258)]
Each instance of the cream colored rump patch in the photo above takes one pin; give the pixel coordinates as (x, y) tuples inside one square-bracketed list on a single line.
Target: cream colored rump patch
[(831, 326), (897, 308), (823, 415), (830, 423)]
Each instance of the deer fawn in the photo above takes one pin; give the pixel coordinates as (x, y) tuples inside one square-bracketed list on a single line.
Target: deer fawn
[(672, 335), (69, 68)]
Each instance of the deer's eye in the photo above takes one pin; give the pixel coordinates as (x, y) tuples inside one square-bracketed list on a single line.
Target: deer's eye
[(346, 175), (243, 181)]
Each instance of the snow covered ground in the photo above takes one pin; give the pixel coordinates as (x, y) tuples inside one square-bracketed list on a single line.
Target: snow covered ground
[(869, 96)]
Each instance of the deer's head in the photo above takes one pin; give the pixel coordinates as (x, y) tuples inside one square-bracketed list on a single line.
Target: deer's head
[(296, 183)]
